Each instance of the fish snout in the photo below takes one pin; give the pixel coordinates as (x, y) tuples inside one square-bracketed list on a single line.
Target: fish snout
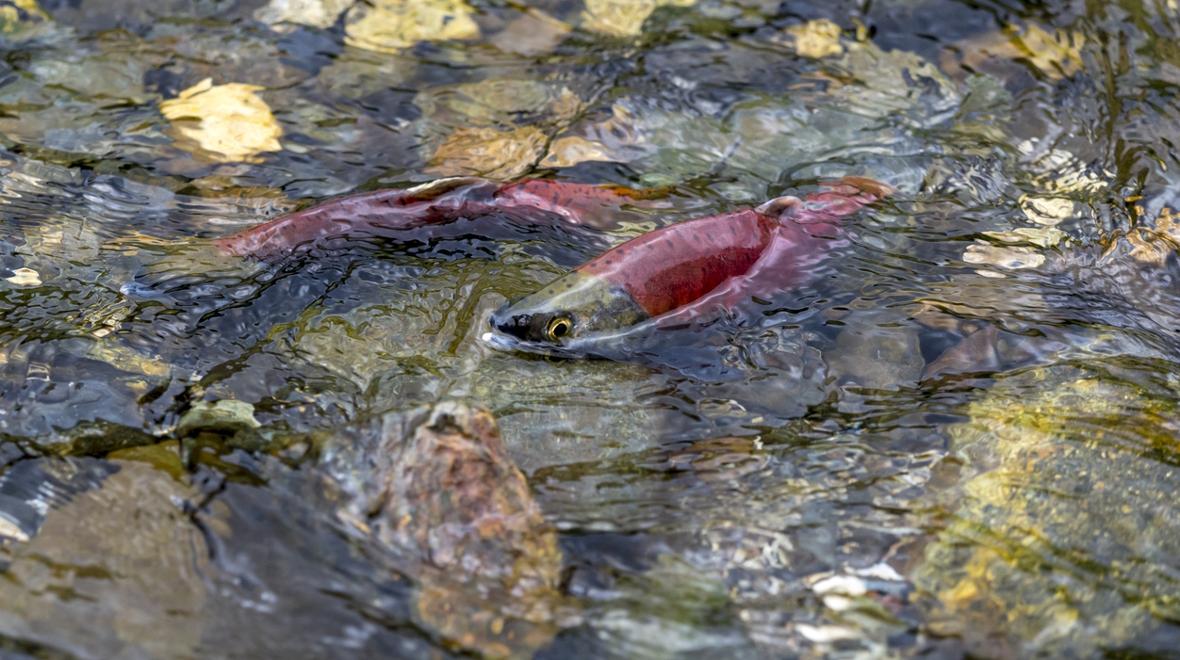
[(512, 324)]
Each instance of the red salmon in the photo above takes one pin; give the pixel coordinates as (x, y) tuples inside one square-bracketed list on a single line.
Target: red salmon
[(687, 269), (386, 212)]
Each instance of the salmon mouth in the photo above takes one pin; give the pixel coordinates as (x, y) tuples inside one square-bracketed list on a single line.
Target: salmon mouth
[(599, 345), (507, 343)]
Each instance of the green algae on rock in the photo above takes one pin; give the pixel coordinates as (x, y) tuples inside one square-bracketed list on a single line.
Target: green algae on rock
[(1059, 540)]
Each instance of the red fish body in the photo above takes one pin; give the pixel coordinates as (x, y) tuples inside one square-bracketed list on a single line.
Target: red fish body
[(578, 203), (685, 270), (674, 273), (671, 267), (386, 212)]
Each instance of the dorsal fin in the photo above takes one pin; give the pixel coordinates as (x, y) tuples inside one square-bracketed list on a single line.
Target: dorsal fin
[(433, 189), (871, 186), (778, 206)]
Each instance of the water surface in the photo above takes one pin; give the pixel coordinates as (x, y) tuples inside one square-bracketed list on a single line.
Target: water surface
[(815, 476)]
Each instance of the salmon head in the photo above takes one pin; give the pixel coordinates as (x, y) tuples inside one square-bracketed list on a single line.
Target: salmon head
[(569, 317)]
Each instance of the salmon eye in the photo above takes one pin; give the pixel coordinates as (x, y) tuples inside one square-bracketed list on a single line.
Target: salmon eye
[(559, 326)]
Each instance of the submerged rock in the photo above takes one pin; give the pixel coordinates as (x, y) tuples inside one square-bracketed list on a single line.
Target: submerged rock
[(533, 32), (487, 152), (107, 560), (877, 350), (224, 415), (433, 490), (865, 111), (314, 13), (1060, 540), (443, 494), (623, 18), (388, 26)]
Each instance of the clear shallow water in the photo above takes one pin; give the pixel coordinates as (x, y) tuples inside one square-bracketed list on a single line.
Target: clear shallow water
[(814, 475)]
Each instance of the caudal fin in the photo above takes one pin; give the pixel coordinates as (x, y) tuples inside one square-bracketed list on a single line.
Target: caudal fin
[(826, 207), (866, 185)]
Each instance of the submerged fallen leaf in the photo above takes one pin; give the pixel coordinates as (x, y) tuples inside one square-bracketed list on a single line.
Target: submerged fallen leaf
[(532, 33), (622, 18), (128, 359), (1060, 171), (1041, 236), (229, 122), (571, 150), (815, 39), (388, 26), (1007, 257), (315, 13), (488, 152), (1047, 211), (24, 277), (1056, 54), (1153, 246), (498, 102)]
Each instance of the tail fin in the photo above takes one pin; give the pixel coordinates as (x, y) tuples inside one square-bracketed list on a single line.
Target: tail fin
[(865, 185), (778, 206), (834, 201)]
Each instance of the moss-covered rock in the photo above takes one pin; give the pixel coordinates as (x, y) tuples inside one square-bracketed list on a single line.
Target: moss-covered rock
[(1061, 539)]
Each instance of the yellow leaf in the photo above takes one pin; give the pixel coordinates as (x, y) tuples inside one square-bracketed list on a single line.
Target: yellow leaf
[(488, 152), (1041, 236), (1153, 246), (228, 122), (388, 26), (13, 11), (1047, 211), (622, 18), (1056, 54), (532, 33), (571, 150), (31, 7), (816, 39), (1007, 257)]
